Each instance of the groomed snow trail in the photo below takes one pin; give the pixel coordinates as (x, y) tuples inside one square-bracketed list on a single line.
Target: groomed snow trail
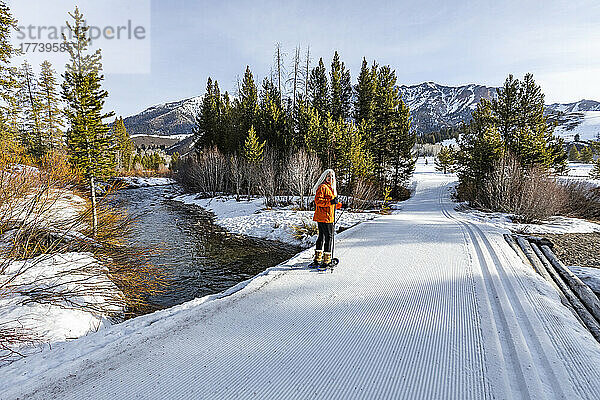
[(425, 304)]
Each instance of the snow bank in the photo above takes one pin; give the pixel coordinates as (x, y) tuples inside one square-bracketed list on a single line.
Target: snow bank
[(554, 225), (252, 219), (590, 276), (137, 181), (56, 298)]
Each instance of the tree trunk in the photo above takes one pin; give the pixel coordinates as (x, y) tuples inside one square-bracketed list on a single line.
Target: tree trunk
[(94, 208)]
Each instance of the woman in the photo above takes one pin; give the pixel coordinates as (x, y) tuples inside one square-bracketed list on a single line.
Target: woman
[(325, 201)]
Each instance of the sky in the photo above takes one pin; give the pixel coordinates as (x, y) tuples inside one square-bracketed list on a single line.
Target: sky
[(450, 43)]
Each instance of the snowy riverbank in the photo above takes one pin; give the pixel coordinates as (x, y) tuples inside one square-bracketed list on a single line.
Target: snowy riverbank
[(251, 218), (50, 298)]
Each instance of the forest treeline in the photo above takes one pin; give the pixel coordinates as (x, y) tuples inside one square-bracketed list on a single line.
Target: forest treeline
[(362, 131)]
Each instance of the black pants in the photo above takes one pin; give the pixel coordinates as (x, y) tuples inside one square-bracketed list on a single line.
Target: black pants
[(325, 232)]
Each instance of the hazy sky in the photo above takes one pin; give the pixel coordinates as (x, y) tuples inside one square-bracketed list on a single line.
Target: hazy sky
[(448, 42)]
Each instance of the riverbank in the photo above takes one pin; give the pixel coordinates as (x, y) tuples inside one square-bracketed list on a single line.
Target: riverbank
[(252, 218)]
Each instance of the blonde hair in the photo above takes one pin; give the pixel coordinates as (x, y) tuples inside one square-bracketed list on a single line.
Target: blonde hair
[(322, 179)]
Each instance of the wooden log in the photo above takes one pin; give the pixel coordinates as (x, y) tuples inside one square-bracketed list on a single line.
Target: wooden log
[(537, 261), (588, 319), (583, 291), (547, 268), (512, 243), (533, 259), (540, 241)]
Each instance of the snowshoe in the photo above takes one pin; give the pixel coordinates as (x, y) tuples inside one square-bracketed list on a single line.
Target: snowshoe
[(324, 267)]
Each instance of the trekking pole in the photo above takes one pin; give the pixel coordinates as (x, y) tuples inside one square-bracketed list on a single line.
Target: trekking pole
[(335, 221)]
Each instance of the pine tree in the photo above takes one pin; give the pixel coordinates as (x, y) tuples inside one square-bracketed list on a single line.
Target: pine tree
[(445, 160), (207, 118), (253, 149), (341, 89), (246, 106), (272, 116), (9, 108), (52, 119), (595, 172), (123, 145), (30, 126), (88, 138), (318, 89), (480, 146), (574, 154), (587, 156), (364, 106), (401, 142)]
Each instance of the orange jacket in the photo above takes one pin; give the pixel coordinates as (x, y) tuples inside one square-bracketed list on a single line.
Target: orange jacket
[(324, 210)]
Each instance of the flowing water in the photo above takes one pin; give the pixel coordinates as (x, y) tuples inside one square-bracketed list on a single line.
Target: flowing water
[(200, 257)]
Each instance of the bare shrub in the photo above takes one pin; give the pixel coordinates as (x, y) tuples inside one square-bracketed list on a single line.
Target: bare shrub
[(583, 200), (531, 194), (47, 255), (301, 172), (237, 165), (268, 178), (364, 195), (205, 172)]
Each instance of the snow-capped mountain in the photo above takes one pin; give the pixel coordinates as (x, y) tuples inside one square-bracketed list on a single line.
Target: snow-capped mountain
[(433, 106), (175, 118), (578, 106), (580, 118)]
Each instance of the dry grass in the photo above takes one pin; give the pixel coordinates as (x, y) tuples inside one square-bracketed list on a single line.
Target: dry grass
[(305, 229)]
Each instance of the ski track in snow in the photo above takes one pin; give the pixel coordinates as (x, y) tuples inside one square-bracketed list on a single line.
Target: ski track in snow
[(424, 305)]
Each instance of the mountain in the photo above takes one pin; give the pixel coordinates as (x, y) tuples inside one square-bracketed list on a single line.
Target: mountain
[(433, 106), (581, 118), (175, 118), (578, 106)]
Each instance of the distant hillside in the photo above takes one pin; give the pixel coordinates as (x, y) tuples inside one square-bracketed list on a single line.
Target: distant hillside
[(579, 118), (432, 107), (175, 118)]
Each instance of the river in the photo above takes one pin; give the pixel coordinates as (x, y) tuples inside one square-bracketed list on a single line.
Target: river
[(199, 257)]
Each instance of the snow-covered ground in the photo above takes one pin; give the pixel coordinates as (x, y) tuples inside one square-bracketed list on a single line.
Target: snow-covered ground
[(53, 297), (426, 303), (137, 181), (587, 126), (253, 219), (56, 298)]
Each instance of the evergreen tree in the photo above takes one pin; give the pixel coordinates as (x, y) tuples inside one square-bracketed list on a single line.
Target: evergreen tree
[(123, 145), (52, 119), (30, 122), (253, 149), (401, 142), (272, 116), (88, 138), (587, 156), (480, 146), (9, 108), (518, 112), (364, 106), (207, 120), (574, 154), (445, 160), (247, 110), (341, 89), (318, 89), (595, 172)]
